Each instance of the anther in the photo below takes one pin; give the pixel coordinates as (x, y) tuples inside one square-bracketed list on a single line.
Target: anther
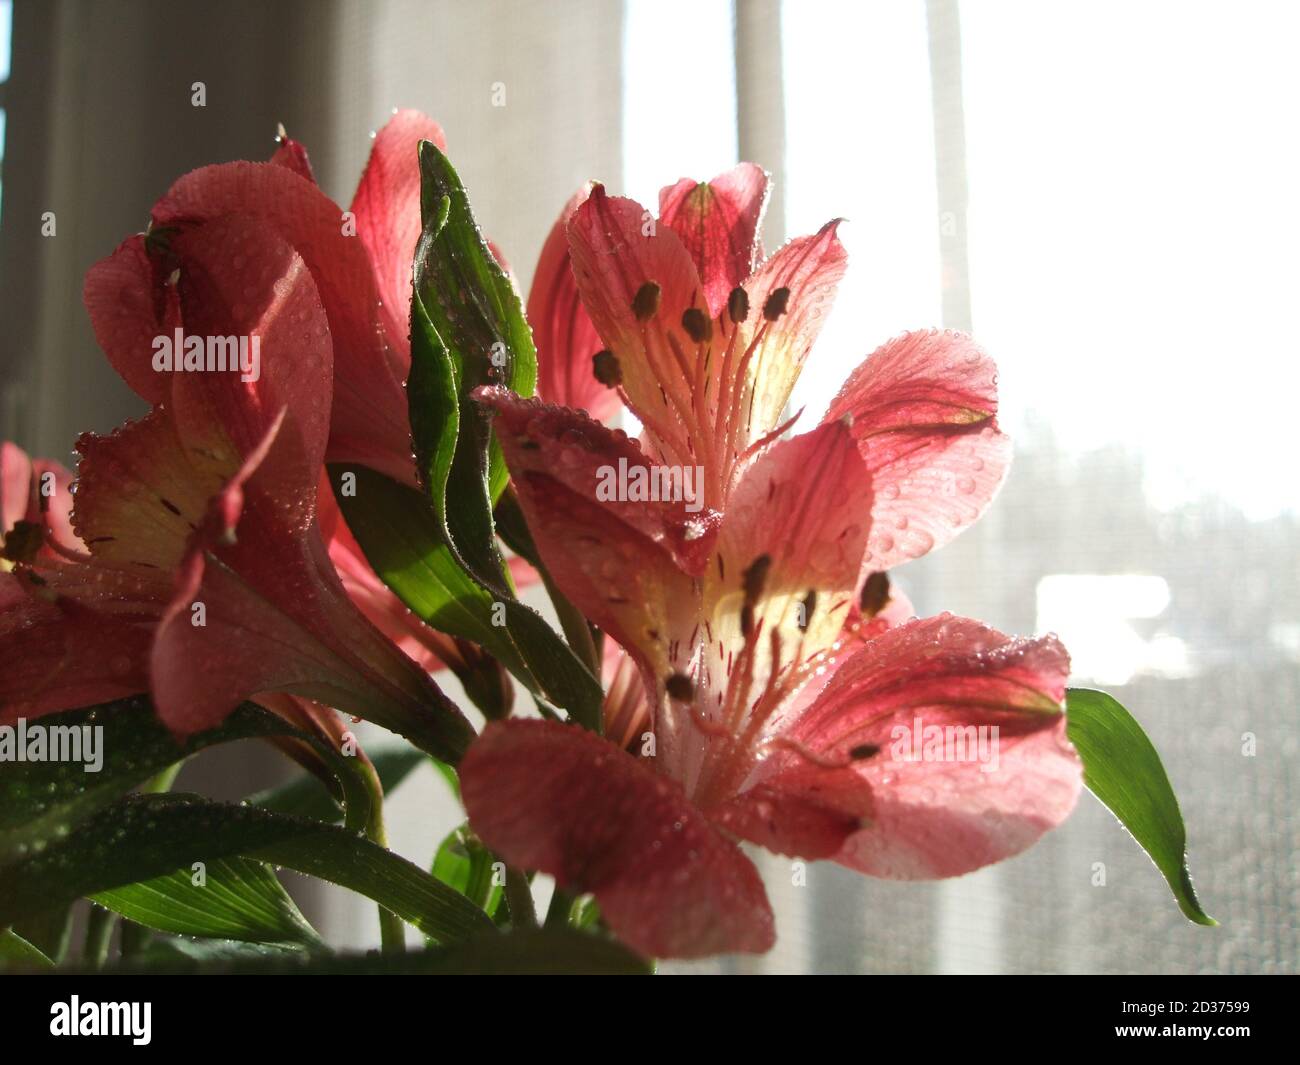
[(776, 304), (875, 595), (606, 369), (738, 304), (680, 687), (698, 325), (645, 304)]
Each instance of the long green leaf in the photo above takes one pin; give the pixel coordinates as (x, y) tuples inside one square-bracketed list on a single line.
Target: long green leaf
[(306, 796), (146, 836), (1122, 768), (16, 951), (234, 899), (404, 544), (41, 801), (463, 863)]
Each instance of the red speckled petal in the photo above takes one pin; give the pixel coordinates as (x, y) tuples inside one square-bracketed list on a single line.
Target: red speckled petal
[(387, 208), (555, 798), (924, 410), (718, 222), (943, 797), (369, 422), (128, 303), (565, 336), (625, 562)]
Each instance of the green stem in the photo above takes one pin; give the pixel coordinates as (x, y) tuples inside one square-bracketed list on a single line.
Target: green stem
[(392, 931), (519, 897), (561, 908), (99, 934), (163, 782)]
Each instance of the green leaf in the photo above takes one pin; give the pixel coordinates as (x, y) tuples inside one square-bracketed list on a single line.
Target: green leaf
[(236, 899), (542, 951), (17, 952), (404, 543), (306, 796), (463, 863), (147, 836), (41, 801), (1122, 768), (466, 313)]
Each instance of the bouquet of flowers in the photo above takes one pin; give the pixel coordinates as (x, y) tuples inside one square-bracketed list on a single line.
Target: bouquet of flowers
[(359, 448)]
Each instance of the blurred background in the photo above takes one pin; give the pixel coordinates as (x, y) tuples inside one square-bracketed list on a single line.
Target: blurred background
[(1102, 192)]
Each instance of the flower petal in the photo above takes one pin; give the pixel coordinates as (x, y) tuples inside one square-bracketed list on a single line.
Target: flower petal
[(129, 306), (60, 655), (555, 798), (566, 339), (369, 421), (787, 301), (626, 562), (924, 410), (387, 209), (637, 282), (799, 508), (15, 485), (718, 222), (913, 713)]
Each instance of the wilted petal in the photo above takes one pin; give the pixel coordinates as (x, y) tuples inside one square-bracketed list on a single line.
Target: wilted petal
[(975, 798), (555, 798), (566, 339), (923, 408), (718, 222), (387, 209)]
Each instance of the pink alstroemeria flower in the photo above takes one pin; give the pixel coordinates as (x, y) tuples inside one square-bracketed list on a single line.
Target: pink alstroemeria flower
[(360, 263), (203, 571), (775, 707)]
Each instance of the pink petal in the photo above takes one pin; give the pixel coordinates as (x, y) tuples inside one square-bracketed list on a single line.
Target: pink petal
[(563, 801), (291, 154), (924, 410), (799, 507), (60, 655), (939, 817), (15, 485), (129, 306), (718, 222), (387, 209), (767, 350), (369, 421), (565, 336), (617, 253), (625, 563)]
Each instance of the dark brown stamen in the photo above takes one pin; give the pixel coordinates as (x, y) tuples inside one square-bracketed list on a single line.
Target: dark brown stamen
[(606, 368), (863, 751), (645, 304), (738, 304), (875, 595), (698, 325), (776, 303), (680, 687), (755, 576)]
